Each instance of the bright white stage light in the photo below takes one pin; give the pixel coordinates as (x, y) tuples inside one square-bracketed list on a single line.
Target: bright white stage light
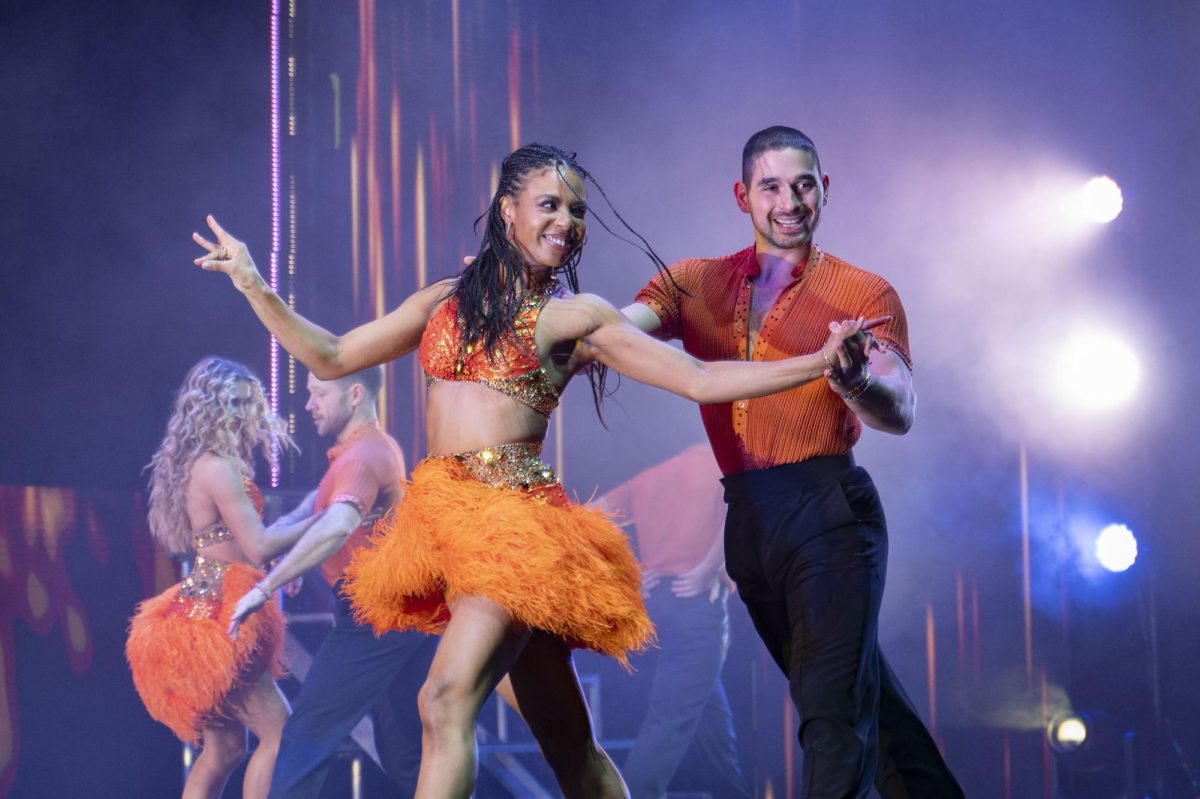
[(1097, 371), (1100, 200), (1067, 733), (1116, 548)]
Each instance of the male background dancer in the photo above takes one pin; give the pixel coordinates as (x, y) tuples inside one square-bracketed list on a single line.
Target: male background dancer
[(353, 671), (677, 513), (805, 538)]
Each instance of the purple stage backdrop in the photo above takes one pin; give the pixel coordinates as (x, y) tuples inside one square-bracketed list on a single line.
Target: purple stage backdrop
[(353, 145)]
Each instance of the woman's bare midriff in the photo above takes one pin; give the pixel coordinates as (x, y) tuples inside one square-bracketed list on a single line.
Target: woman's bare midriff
[(465, 417)]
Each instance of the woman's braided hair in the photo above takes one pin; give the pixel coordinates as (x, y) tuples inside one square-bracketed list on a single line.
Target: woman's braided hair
[(488, 292)]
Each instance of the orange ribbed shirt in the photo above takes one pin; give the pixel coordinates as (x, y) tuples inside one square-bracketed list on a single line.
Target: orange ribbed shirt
[(794, 425), (366, 471)]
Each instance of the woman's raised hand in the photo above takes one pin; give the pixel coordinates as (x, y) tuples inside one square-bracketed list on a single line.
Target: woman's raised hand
[(228, 255)]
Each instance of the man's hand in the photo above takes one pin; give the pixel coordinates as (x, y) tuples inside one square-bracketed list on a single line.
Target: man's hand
[(705, 578), (847, 351), (228, 255), (251, 601)]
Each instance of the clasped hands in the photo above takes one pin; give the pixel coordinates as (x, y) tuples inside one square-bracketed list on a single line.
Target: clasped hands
[(847, 353)]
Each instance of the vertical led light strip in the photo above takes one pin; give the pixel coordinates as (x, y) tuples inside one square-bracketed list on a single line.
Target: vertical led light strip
[(292, 218), (276, 219)]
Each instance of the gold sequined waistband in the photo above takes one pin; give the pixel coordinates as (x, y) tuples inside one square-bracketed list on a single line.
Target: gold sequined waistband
[(215, 533), (200, 592), (516, 466)]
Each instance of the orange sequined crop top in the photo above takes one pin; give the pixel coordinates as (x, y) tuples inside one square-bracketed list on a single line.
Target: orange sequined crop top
[(218, 532), (513, 369)]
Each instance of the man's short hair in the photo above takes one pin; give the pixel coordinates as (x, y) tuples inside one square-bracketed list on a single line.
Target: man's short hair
[(371, 379), (777, 137)]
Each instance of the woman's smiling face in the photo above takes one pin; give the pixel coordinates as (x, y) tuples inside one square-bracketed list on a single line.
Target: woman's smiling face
[(547, 216)]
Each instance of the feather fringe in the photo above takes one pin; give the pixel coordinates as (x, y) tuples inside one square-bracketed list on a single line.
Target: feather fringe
[(184, 668), (555, 565)]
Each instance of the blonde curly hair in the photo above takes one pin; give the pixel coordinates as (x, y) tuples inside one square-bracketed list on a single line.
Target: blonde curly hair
[(208, 417)]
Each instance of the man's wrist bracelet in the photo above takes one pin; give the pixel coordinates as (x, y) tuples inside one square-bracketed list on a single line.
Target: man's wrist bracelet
[(861, 388)]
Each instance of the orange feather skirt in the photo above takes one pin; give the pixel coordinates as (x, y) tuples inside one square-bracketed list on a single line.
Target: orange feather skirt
[(185, 665), (553, 564)]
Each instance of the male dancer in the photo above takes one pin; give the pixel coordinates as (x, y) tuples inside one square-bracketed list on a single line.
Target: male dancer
[(805, 538), (353, 671), (677, 512)]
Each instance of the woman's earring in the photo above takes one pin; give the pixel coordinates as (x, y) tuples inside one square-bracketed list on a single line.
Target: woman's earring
[(508, 229)]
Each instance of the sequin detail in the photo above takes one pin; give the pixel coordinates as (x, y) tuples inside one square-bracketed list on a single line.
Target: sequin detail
[(353, 501), (199, 595), (513, 368), (515, 466), (215, 533)]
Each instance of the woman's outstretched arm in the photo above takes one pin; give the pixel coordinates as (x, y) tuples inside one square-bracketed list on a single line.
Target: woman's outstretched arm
[(328, 356), (605, 335)]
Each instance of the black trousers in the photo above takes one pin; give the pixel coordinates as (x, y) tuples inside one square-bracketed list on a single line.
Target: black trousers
[(806, 544), (354, 672)]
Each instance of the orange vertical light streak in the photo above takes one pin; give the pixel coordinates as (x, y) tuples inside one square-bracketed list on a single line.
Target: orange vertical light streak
[(931, 668), (961, 619), (355, 220), (789, 746), (514, 89), (1026, 577)]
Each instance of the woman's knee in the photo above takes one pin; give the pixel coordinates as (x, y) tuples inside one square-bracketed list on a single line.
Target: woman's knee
[(444, 705), (224, 752)]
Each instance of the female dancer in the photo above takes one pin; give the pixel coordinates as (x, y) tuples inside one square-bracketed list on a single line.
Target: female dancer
[(485, 547), (189, 673)]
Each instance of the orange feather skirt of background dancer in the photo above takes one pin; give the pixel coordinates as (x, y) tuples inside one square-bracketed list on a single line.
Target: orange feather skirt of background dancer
[(552, 564), (185, 666)]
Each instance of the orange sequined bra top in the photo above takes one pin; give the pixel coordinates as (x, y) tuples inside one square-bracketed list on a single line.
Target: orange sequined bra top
[(200, 593), (513, 369)]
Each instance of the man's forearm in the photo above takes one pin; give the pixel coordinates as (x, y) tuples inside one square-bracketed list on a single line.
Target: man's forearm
[(317, 545), (281, 537), (887, 404)]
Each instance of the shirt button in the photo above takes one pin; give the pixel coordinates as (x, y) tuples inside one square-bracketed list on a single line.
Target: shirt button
[(742, 404)]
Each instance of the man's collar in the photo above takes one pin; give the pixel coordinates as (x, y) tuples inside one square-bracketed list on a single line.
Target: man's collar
[(751, 267), (360, 431)]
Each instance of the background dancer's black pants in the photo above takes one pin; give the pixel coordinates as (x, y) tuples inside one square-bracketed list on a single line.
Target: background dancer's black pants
[(354, 672), (806, 544)]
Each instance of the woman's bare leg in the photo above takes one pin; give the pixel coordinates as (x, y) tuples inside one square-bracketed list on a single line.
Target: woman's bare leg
[(547, 690), (261, 706), (224, 747), (478, 647)]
